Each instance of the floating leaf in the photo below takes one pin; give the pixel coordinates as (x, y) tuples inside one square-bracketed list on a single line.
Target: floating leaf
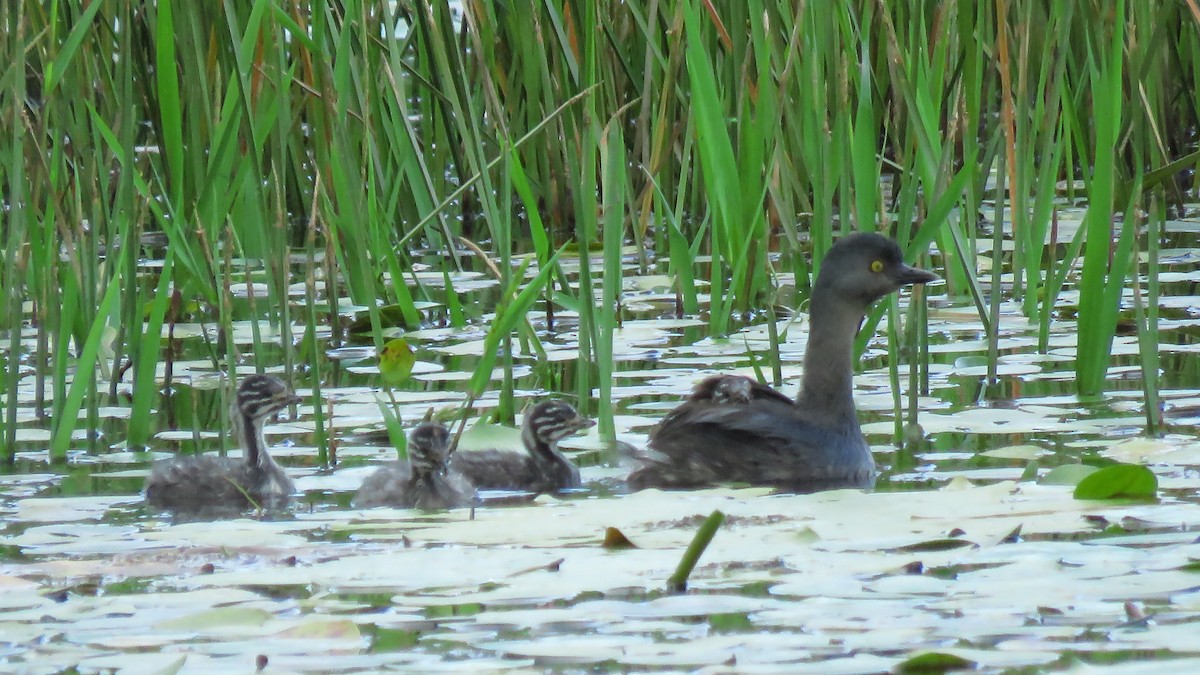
[(971, 361), (1119, 481), (389, 315), (550, 567), (1067, 474), (934, 662), (396, 361), (1013, 537), (221, 617), (322, 629), (615, 540), (1025, 452), (942, 544), (1031, 471), (807, 535)]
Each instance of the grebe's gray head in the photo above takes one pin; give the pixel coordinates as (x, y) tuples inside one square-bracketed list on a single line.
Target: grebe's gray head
[(862, 267)]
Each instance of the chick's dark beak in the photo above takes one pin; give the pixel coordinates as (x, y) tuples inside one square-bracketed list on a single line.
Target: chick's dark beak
[(906, 275)]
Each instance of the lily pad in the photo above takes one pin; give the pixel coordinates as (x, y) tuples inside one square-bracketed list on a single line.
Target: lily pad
[(1067, 474), (1120, 481), (1021, 452), (221, 619), (934, 662)]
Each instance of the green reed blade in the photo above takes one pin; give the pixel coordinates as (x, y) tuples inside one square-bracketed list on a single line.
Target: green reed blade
[(145, 381), (69, 48), (537, 230), (64, 423), (681, 268), (170, 110), (13, 278), (1097, 312), (719, 164), (613, 188), (454, 308), (993, 333), (505, 321)]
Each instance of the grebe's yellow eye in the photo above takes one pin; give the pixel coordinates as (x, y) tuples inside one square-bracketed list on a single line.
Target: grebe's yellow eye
[(877, 266)]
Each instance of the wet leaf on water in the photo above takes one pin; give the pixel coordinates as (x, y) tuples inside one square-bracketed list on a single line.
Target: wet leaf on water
[(1013, 537), (219, 618), (134, 662), (1067, 474), (1030, 473), (1120, 481), (350, 354), (615, 540), (550, 567), (943, 544), (972, 361), (959, 483), (661, 283), (934, 662), (485, 435), (1170, 450), (1022, 452), (322, 629), (63, 509), (807, 535), (128, 473), (12, 587), (396, 361), (389, 315)]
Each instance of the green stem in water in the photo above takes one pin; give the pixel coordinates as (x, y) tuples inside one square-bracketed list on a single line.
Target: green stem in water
[(678, 581)]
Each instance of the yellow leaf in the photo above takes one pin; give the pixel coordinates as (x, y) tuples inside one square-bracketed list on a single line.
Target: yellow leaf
[(396, 361)]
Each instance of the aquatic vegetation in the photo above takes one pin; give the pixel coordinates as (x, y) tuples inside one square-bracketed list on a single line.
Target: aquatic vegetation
[(608, 202)]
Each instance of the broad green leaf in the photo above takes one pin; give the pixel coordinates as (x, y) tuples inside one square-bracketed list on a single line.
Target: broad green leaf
[(934, 662), (1120, 481)]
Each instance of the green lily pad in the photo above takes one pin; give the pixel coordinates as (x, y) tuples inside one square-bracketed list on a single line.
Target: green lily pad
[(934, 662), (1067, 474), (1120, 481)]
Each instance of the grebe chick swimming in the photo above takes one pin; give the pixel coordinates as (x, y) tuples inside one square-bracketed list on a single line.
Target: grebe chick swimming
[(733, 429), (203, 484), (424, 481), (542, 467)]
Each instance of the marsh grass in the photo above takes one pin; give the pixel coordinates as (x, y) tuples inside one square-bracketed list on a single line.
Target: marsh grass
[(752, 132)]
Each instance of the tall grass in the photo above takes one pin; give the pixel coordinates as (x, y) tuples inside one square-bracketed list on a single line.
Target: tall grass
[(1100, 287), (730, 130)]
